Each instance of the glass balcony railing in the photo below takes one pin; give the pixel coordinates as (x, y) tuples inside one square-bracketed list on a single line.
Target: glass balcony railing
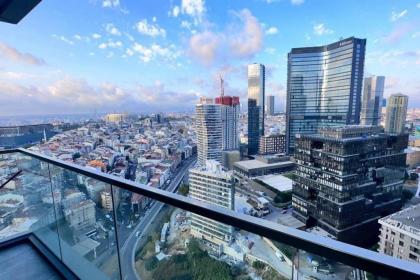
[(103, 227)]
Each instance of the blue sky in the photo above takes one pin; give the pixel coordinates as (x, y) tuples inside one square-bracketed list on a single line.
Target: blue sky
[(81, 56)]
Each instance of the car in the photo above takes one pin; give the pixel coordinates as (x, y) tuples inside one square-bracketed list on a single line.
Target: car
[(138, 234)]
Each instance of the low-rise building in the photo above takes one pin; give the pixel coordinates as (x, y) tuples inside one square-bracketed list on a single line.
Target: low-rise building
[(260, 166), (400, 234), (272, 144)]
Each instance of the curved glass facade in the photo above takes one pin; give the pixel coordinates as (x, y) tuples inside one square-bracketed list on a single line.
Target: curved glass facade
[(324, 87)]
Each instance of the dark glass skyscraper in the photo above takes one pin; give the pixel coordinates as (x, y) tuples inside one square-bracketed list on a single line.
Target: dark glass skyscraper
[(256, 105), (324, 86)]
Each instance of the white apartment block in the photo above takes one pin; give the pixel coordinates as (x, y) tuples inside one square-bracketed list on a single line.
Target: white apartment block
[(212, 185), (209, 132), (400, 234)]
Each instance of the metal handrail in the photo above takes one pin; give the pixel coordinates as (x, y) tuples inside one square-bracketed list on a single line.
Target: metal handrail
[(347, 254)]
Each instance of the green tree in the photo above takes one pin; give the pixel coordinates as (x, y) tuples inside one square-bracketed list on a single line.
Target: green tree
[(184, 189), (406, 195)]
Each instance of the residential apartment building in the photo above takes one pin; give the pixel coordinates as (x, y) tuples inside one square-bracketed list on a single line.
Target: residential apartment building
[(209, 131), (229, 107), (211, 184), (396, 113), (400, 234)]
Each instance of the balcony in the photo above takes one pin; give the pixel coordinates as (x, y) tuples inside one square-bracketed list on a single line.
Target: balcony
[(66, 221)]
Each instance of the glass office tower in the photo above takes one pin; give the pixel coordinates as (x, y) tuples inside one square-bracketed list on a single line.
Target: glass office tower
[(373, 91), (324, 86), (256, 105)]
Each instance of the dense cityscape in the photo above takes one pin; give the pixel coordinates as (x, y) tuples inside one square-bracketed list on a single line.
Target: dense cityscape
[(339, 160)]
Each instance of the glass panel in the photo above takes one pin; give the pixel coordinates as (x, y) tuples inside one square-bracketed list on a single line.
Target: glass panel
[(311, 266), (86, 225), (170, 243), (26, 203)]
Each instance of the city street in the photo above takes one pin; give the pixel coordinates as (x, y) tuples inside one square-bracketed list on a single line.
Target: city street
[(128, 250)]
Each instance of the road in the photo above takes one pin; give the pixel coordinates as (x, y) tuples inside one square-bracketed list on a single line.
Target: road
[(128, 250)]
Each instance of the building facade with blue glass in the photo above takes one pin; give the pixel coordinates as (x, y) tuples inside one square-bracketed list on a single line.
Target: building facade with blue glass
[(324, 86), (256, 106)]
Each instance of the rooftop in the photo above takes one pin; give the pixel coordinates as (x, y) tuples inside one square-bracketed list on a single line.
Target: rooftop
[(257, 163), (409, 217)]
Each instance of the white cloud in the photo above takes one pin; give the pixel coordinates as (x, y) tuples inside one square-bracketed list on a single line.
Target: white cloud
[(239, 40), (110, 3), (11, 53), (153, 30), (418, 5), (96, 36), (111, 29), (271, 31), (249, 40), (307, 36), (415, 35), (320, 29), (204, 46), (194, 8), (77, 37), (175, 11), (111, 44), (397, 15), (186, 24), (63, 39), (146, 54), (297, 2)]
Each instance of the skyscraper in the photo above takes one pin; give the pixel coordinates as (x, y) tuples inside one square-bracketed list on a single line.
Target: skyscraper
[(396, 113), (209, 131), (372, 100), (324, 87), (269, 107), (256, 105), (347, 178), (215, 186), (230, 120)]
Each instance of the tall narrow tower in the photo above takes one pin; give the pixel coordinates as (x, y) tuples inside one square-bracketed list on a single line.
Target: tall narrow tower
[(229, 106), (256, 105), (373, 91), (209, 130), (396, 113)]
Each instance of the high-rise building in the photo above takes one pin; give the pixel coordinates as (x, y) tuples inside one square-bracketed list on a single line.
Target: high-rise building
[(400, 234), (396, 113), (347, 178), (324, 86), (212, 185), (209, 131), (256, 105), (373, 91), (269, 107), (272, 144), (230, 120)]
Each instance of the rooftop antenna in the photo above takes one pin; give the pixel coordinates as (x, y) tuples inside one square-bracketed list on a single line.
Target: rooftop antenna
[(222, 88)]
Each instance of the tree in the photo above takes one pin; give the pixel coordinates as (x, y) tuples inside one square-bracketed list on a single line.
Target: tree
[(151, 263), (184, 189), (258, 265), (283, 197), (406, 195)]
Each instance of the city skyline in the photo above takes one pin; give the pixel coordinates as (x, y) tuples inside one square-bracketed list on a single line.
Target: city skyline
[(163, 58)]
